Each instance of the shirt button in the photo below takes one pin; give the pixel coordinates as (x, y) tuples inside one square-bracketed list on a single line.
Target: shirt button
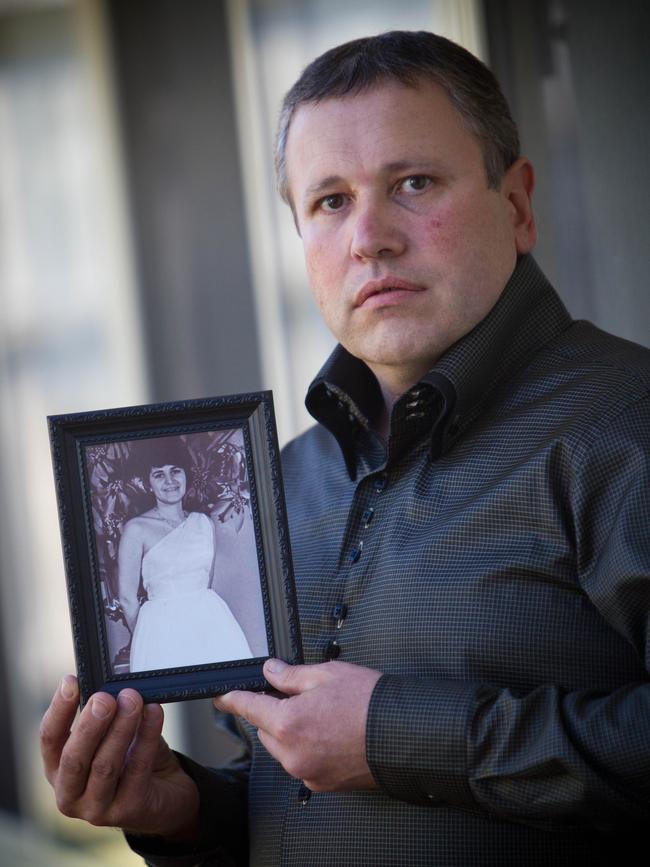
[(304, 794), (381, 482), (339, 613), (367, 516), (355, 553), (331, 651)]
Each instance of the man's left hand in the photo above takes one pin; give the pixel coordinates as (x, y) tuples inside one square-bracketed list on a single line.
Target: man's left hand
[(317, 728)]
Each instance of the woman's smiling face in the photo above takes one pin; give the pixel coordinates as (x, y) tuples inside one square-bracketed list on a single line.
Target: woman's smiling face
[(168, 483)]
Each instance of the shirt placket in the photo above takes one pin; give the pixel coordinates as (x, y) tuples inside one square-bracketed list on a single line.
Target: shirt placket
[(361, 537), (353, 565)]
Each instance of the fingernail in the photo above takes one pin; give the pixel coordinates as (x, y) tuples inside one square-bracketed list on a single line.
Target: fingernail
[(274, 666), (125, 704), (99, 709), (67, 690)]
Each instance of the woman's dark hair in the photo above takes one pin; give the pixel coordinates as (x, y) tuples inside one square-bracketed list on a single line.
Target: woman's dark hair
[(409, 57), (158, 452)]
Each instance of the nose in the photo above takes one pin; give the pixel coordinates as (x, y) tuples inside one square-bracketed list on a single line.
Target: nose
[(376, 234)]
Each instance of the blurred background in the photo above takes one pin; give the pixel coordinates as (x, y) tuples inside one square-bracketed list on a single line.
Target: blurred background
[(144, 256)]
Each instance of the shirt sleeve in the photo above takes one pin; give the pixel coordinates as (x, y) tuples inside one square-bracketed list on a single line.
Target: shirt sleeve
[(550, 756)]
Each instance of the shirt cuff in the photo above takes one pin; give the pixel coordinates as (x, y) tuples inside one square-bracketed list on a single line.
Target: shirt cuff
[(417, 739), (223, 826)]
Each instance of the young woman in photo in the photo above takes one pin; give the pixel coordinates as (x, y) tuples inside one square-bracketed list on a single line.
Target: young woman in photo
[(183, 620)]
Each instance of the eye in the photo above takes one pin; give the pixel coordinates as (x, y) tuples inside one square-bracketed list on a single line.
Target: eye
[(330, 204), (177, 471), (415, 183)]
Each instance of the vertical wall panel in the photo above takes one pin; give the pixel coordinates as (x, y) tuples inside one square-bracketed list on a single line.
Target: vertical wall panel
[(175, 91)]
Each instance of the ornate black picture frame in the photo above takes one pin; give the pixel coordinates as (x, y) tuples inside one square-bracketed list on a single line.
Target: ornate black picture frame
[(175, 545)]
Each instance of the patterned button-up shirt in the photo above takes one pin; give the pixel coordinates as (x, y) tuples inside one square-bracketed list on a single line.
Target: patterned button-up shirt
[(493, 561)]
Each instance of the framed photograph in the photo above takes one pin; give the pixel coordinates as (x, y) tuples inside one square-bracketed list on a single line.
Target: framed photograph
[(175, 546)]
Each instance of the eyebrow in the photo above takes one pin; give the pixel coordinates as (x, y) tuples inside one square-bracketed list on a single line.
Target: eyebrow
[(321, 186), (411, 166)]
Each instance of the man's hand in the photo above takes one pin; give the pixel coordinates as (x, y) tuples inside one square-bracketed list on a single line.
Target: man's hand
[(112, 767), (318, 733)]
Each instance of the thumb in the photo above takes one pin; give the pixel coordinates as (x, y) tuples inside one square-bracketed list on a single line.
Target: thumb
[(289, 679)]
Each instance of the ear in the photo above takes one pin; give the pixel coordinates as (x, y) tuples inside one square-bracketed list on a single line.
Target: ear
[(517, 188)]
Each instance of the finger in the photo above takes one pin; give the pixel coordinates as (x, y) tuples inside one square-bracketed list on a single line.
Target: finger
[(292, 760), (260, 710), (110, 757), (148, 753), (56, 723), (148, 739), (271, 745), (80, 748), (293, 679)]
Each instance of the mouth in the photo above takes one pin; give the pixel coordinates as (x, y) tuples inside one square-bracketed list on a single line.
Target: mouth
[(388, 290)]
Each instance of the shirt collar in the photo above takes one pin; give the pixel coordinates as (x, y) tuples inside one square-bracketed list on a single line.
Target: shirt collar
[(346, 398)]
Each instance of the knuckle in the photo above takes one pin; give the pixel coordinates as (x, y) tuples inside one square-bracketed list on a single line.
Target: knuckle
[(49, 735), (65, 807), (71, 764), (104, 768), (46, 736), (288, 722), (94, 816), (284, 730)]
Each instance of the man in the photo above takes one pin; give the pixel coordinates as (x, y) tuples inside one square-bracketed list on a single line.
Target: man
[(468, 521)]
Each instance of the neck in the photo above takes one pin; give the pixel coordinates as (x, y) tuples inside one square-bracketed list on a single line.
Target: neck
[(171, 511)]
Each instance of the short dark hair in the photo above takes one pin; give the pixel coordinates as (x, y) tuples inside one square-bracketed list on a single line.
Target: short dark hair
[(158, 452), (409, 57)]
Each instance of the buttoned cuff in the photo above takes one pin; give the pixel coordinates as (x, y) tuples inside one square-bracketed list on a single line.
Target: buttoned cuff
[(417, 739), (222, 841)]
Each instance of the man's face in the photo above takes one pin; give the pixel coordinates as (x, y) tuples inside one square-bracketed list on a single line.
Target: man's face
[(406, 247)]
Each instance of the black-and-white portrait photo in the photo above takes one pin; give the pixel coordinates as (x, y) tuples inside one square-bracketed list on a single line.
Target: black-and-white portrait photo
[(175, 542)]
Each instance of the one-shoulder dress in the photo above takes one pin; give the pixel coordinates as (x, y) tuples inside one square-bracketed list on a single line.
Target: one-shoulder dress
[(184, 622)]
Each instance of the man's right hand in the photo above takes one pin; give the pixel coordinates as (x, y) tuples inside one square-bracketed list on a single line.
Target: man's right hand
[(112, 767)]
